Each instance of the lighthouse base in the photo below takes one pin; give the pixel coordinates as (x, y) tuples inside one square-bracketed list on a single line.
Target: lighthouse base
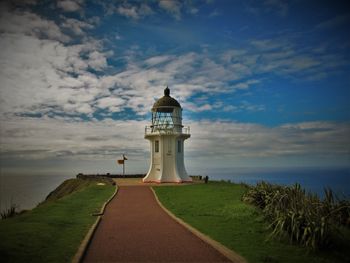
[(167, 159), (155, 175), (162, 182)]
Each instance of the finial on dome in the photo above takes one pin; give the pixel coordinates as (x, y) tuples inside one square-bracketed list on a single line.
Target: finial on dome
[(167, 91)]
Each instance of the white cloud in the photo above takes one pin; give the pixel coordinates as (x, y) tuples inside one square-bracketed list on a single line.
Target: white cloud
[(45, 80), (134, 11), (333, 22), (137, 10), (270, 44), (43, 74), (76, 26), (37, 69), (144, 80), (58, 73), (246, 84), (237, 140), (243, 106), (26, 23), (197, 108), (282, 56), (186, 74), (158, 60), (97, 60), (230, 108), (172, 7), (230, 142), (69, 5), (113, 104), (41, 138), (128, 11), (288, 65), (145, 10), (85, 109), (230, 55)]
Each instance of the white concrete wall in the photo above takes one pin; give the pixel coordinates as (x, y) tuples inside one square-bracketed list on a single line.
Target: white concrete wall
[(168, 164)]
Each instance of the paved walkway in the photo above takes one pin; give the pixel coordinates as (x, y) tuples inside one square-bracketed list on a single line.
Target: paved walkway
[(135, 228)]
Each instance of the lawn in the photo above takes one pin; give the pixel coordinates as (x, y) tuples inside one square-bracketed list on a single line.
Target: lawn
[(216, 209), (53, 231)]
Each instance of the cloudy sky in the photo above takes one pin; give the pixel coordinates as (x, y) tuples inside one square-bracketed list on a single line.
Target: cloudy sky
[(261, 83)]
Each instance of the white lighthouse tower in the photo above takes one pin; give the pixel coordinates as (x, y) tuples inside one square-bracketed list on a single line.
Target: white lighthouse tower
[(167, 136)]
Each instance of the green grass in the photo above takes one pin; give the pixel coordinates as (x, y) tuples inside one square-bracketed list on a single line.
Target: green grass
[(53, 231), (216, 209)]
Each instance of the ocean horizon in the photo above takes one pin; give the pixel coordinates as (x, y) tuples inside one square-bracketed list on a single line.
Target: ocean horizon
[(27, 191), (312, 179)]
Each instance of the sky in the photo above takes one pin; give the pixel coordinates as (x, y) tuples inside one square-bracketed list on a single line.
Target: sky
[(261, 83)]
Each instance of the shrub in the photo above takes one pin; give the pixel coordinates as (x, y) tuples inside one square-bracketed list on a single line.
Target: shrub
[(305, 218), (9, 212)]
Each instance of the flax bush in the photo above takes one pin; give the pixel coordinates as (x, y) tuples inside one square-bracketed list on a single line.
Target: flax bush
[(305, 218), (9, 212)]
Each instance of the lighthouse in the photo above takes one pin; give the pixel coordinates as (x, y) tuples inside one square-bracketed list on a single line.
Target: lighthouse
[(167, 136)]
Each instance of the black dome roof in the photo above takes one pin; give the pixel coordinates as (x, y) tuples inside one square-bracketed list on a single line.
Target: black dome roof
[(166, 101)]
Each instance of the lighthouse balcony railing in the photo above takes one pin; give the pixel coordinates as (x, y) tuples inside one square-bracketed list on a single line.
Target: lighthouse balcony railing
[(149, 130)]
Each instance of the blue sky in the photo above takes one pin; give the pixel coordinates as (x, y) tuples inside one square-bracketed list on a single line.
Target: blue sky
[(261, 83)]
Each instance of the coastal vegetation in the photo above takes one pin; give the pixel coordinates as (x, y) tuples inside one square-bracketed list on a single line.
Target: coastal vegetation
[(217, 210), (73, 185), (303, 217), (53, 231), (9, 212)]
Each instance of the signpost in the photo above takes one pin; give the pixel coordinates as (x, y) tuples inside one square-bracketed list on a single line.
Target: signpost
[(122, 161)]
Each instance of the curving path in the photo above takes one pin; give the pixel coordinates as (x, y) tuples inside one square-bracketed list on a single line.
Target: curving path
[(135, 228)]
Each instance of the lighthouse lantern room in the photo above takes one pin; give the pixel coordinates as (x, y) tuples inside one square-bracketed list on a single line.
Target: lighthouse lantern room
[(167, 136)]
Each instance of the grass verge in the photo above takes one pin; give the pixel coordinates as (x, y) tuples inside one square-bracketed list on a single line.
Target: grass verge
[(53, 231), (216, 210)]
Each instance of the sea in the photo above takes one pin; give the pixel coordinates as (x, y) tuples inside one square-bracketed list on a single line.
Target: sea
[(26, 191), (313, 180)]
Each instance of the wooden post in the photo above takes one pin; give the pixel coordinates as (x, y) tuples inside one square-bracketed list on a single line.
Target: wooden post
[(123, 166)]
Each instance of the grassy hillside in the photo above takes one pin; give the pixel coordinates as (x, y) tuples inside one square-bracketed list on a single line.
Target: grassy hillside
[(73, 185), (216, 209), (53, 231)]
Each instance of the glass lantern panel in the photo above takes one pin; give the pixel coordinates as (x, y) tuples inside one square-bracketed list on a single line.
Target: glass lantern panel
[(162, 120), (166, 120)]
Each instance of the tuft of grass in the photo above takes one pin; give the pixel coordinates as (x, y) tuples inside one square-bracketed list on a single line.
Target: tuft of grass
[(9, 212), (302, 216), (53, 231), (217, 210)]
